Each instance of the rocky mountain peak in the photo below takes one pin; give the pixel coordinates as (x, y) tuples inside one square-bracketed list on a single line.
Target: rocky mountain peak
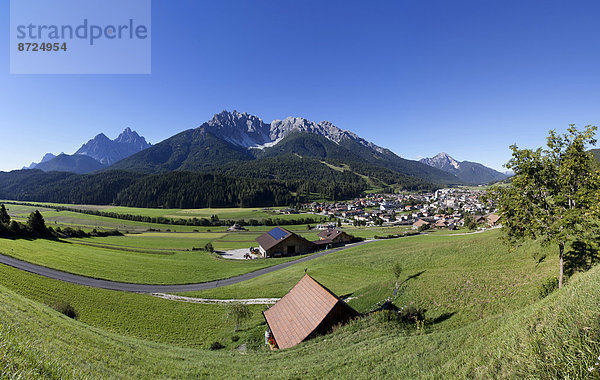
[(108, 151), (249, 131), (240, 129), (469, 172), (442, 161)]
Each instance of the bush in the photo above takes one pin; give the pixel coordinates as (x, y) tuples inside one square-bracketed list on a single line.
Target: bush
[(209, 247), (548, 286), (66, 309), (235, 338), (424, 227), (216, 346)]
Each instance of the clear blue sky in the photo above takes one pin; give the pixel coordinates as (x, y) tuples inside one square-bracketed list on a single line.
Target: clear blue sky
[(418, 77)]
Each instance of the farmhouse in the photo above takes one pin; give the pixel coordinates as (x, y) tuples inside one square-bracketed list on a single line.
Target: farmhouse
[(419, 223), (492, 219), (307, 310), (281, 242), (334, 236)]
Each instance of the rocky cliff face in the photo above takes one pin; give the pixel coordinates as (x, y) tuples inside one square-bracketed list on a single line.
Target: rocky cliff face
[(107, 151), (249, 131)]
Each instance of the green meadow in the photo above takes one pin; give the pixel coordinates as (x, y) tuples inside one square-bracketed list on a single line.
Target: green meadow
[(114, 263), (57, 218), (484, 320), (221, 213)]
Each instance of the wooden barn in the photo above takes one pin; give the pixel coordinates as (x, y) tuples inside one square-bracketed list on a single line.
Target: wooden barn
[(281, 242), (333, 237), (307, 310)]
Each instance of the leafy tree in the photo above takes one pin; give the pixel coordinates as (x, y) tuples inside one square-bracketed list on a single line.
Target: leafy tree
[(237, 312), (470, 222), (36, 223), (209, 247), (553, 197), (4, 217)]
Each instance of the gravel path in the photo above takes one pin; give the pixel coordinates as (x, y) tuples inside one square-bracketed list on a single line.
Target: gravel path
[(247, 301), (146, 288)]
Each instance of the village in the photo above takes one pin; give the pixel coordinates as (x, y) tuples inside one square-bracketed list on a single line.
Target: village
[(451, 209), (444, 208)]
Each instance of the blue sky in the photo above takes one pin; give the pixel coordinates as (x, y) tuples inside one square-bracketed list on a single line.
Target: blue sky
[(418, 77)]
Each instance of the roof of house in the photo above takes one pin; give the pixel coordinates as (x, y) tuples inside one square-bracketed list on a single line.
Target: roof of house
[(330, 234), (271, 238), (493, 218), (300, 312), (420, 222)]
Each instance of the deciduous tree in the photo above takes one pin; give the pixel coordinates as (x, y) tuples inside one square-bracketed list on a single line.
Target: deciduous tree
[(554, 192)]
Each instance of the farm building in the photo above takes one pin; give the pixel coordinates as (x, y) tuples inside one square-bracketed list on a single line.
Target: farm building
[(492, 219), (281, 242), (307, 310), (334, 237), (419, 223)]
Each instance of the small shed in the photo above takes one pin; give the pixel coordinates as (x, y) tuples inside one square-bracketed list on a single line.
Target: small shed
[(281, 242), (307, 310)]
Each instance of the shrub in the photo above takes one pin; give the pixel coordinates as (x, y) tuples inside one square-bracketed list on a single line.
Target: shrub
[(66, 309), (235, 338), (216, 346), (548, 286), (209, 247)]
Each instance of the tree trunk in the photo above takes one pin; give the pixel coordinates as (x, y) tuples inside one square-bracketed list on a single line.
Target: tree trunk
[(561, 250)]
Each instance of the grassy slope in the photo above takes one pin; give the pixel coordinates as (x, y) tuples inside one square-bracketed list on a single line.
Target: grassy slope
[(126, 266), (555, 337), (465, 276)]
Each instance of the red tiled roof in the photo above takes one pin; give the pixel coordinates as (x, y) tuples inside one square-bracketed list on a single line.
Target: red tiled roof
[(298, 314)]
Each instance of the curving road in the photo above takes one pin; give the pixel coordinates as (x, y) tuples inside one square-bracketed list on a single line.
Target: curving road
[(145, 288)]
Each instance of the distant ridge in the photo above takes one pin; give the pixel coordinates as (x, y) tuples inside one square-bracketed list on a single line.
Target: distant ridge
[(96, 154), (107, 151), (469, 172), (76, 163), (47, 157)]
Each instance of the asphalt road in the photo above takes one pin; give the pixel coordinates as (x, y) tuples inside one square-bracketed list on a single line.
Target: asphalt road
[(143, 288)]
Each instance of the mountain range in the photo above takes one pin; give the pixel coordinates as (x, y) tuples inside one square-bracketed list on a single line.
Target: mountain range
[(238, 160), (98, 153), (243, 140), (468, 172), (107, 151)]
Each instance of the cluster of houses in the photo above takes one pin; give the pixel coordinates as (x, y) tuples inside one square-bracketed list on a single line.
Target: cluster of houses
[(455, 221), (406, 208)]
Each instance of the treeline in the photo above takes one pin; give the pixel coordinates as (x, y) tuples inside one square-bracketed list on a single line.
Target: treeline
[(35, 227), (198, 222), (169, 190)]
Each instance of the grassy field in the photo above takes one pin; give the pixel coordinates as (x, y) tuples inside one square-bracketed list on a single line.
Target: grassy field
[(88, 222), (551, 338), (464, 278), (221, 213), (112, 263)]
